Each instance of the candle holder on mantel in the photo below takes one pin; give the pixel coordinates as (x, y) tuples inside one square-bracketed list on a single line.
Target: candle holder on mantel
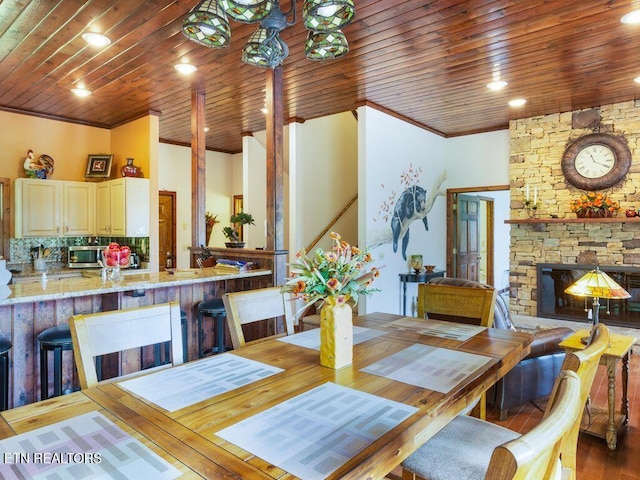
[(531, 207)]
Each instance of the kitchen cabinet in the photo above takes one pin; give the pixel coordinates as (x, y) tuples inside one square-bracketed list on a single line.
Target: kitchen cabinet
[(51, 208), (123, 207)]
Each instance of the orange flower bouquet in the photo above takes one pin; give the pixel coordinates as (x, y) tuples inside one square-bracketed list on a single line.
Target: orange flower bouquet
[(594, 205), (341, 273)]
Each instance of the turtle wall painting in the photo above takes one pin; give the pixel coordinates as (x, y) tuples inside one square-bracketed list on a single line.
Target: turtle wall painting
[(413, 204)]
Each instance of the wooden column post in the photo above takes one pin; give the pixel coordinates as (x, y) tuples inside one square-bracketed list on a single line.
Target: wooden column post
[(198, 167), (275, 191)]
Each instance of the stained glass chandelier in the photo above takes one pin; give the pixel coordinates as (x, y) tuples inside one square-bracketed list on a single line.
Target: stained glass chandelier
[(207, 25)]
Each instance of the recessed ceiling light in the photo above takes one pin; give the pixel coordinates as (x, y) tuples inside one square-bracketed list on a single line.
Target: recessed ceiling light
[(637, 79), (96, 39), (81, 92), (631, 18), (497, 85), (206, 129), (517, 102), (186, 68), (264, 110)]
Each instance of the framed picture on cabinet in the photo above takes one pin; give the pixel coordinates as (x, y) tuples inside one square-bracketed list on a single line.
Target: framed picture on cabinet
[(99, 166)]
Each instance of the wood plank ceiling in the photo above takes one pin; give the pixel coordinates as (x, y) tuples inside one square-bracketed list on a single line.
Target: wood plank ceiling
[(427, 61)]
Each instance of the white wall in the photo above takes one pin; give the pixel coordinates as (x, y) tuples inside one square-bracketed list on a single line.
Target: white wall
[(392, 156), (175, 175), (324, 178), (481, 159)]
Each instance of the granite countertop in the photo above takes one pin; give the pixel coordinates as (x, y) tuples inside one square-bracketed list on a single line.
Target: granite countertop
[(26, 270), (91, 284)]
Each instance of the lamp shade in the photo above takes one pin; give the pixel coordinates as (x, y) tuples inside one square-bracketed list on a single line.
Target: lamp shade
[(327, 15), (325, 46), (265, 48), (207, 25), (597, 283), (247, 11)]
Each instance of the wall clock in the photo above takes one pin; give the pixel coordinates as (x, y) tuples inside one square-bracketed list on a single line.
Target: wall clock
[(596, 161)]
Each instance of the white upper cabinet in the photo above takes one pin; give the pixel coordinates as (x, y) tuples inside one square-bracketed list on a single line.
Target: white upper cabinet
[(123, 207), (50, 208)]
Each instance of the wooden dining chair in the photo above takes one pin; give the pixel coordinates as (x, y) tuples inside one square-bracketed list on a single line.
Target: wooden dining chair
[(469, 305), (465, 447), (102, 333), (255, 305)]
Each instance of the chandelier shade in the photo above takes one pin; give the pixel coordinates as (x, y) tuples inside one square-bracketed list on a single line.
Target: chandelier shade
[(325, 46), (247, 11), (207, 25), (265, 48), (327, 15)]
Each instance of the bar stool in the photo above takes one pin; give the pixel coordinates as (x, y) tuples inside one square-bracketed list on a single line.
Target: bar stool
[(214, 309), (5, 346), (55, 339)]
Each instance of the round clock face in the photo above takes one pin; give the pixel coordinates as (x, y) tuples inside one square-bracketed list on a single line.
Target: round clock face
[(596, 161)]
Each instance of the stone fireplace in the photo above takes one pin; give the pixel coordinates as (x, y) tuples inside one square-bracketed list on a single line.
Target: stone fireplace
[(554, 235)]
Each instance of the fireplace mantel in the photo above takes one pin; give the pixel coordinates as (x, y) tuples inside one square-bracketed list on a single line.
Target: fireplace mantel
[(518, 221)]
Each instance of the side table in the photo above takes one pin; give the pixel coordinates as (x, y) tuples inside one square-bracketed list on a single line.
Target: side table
[(414, 278), (604, 422)]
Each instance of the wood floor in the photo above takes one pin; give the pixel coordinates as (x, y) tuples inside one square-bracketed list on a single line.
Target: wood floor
[(595, 460)]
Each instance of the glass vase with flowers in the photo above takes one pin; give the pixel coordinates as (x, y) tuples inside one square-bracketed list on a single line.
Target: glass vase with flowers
[(594, 205), (333, 280)]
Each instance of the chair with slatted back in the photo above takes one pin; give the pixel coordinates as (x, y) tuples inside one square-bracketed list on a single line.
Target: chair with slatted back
[(120, 330), (464, 448), (469, 305), (256, 305)]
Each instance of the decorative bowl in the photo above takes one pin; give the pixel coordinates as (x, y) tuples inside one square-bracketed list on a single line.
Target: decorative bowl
[(429, 268)]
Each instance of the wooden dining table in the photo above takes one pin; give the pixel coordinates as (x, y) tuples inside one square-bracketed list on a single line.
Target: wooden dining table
[(188, 439)]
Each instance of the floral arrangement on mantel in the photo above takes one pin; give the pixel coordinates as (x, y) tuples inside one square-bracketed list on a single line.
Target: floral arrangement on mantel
[(340, 275), (211, 219), (594, 205)]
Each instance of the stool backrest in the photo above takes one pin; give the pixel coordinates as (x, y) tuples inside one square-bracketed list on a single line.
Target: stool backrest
[(536, 454), (119, 330), (255, 305), (469, 305)]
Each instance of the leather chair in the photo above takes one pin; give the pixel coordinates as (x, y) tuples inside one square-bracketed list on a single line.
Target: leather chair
[(533, 378)]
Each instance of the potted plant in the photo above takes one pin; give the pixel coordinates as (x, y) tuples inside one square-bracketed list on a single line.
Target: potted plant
[(233, 232)]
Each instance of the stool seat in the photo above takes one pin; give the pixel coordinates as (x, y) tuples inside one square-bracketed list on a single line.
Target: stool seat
[(54, 336), (213, 306), (214, 309)]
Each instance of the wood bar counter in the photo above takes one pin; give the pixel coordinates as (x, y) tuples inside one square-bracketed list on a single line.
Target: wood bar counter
[(31, 308)]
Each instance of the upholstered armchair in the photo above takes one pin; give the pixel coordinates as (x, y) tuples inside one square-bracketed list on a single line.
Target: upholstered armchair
[(533, 378)]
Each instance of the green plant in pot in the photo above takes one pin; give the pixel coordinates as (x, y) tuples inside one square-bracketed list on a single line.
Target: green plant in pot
[(233, 232)]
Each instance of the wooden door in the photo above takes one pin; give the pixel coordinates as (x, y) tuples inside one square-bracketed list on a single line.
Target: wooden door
[(167, 229), (466, 254)]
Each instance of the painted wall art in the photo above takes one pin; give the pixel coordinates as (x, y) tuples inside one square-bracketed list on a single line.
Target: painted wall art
[(410, 203)]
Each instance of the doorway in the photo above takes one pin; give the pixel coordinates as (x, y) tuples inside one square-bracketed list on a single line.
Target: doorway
[(477, 237), (167, 230)]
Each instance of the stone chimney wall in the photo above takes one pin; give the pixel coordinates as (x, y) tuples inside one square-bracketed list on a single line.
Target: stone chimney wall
[(537, 146)]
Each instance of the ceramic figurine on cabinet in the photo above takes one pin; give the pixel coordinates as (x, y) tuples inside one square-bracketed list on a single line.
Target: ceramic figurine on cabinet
[(37, 168), (130, 170)]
